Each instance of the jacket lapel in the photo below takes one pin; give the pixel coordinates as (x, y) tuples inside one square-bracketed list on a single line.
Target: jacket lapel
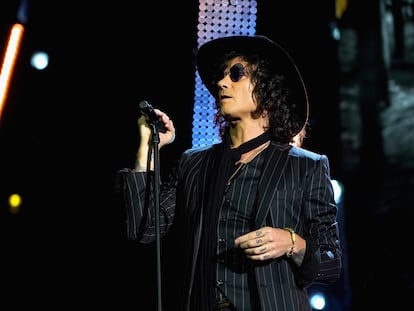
[(275, 163)]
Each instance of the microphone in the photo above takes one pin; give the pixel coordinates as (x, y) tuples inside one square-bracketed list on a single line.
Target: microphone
[(152, 118), (148, 111)]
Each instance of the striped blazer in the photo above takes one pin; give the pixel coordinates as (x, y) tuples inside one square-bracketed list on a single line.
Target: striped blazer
[(294, 191)]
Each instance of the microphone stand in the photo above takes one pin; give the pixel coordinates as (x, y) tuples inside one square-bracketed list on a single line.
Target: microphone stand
[(155, 152)]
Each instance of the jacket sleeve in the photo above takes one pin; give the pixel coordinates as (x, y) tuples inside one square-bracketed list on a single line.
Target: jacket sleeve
[(136, 192), (323, 257)]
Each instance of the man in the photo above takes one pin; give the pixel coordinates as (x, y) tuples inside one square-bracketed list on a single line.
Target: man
[(253, 217)]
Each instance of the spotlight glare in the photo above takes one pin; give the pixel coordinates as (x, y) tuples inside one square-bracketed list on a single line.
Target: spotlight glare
[(338, 190), (317, 301), (40, 60), (15, 202)]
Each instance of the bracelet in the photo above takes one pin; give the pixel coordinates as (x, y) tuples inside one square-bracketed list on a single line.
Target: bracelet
[(293, 238)]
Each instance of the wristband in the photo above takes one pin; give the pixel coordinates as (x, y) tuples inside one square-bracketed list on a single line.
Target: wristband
[(293, 238)]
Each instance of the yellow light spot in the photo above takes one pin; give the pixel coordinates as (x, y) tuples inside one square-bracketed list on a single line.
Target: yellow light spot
[(15, 201)]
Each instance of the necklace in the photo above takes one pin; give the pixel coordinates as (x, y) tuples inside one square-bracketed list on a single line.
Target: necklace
[(240, 166), (255, 153)]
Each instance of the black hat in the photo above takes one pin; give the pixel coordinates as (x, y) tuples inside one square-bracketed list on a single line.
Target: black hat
[(211, 53)]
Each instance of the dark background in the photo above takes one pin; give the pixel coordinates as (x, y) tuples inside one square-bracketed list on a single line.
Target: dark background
[(65, 132)]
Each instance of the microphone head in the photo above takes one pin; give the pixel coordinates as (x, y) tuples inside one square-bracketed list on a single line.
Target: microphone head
[(152, 118)]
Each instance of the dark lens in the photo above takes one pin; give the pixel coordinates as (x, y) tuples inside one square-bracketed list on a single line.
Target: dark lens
[(236, 72)]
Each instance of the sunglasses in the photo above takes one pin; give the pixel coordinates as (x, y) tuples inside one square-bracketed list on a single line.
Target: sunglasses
[(236, 72)]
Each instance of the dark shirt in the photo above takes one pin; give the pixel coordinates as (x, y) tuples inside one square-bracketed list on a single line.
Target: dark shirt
[(234, 269)]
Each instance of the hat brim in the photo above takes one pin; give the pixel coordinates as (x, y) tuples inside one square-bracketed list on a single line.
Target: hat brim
[(212, 53)]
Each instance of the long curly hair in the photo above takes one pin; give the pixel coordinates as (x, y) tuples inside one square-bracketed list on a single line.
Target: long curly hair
[(272, 94)]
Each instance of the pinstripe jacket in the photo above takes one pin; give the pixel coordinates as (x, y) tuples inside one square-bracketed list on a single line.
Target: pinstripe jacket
[(294, 191)]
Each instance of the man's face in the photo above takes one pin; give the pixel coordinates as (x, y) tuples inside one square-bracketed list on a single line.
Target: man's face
[(235, 91)]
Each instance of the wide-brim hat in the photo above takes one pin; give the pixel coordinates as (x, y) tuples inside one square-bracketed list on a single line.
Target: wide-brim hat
[(211, 54)]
